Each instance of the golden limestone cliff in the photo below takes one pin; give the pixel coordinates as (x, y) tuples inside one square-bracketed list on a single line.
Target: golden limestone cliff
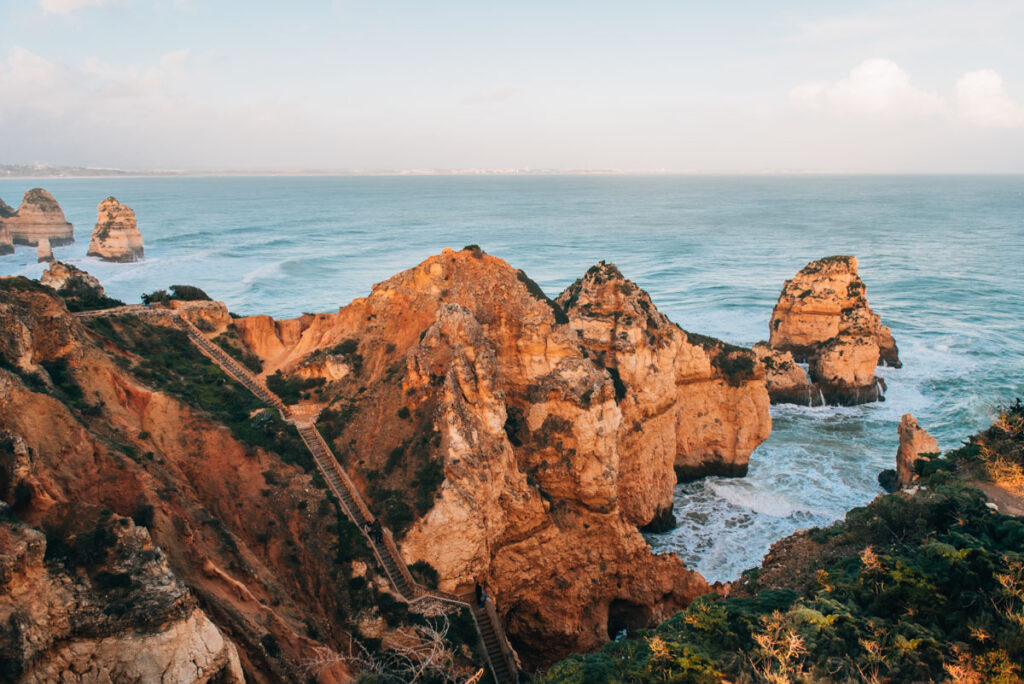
[(506, 438), (536, 434), (823, 317)]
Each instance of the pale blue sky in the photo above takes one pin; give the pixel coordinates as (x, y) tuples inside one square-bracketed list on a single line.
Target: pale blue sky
[(679, 86)]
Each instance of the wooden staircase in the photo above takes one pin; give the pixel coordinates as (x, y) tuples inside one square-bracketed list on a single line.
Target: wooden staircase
[(501, 658)]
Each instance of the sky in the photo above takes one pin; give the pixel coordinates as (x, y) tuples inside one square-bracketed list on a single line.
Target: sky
[(788, 86)]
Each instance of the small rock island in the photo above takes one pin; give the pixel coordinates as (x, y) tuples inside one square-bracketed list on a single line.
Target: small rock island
[(823, 318), (116, 236), (38, 217)]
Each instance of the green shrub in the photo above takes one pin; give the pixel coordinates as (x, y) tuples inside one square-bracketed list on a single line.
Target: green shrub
[(188, 293)]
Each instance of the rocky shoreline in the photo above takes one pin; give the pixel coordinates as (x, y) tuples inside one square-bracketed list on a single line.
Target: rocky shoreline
[(508, 440)]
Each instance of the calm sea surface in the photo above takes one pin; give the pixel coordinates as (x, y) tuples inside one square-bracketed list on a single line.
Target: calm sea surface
[(943, 259)]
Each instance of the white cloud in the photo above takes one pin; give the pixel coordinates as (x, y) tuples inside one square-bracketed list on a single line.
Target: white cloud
[(876, 89), (70, 6), (982, 100), (879, 90)]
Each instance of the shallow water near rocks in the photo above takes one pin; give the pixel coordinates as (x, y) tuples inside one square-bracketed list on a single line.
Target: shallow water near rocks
[(942, 257)]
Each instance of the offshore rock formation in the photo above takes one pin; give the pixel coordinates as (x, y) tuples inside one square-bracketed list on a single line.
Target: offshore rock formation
[(462, 367), (822, 317), (914, 441), (43, 252), (116, 236), (92, 600), (38, 216)]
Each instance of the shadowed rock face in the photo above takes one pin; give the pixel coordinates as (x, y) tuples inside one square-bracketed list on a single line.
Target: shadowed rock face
[(558, 427), (38, 216), (822, 317), (116, 236)]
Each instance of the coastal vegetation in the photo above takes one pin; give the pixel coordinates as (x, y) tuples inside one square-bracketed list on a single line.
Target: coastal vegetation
[(165, 359), (926, 585)]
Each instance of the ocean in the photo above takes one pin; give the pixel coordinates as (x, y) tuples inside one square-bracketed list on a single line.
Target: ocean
[(942, 257)]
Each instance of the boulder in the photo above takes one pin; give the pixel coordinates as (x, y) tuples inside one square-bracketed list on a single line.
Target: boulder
[(914, 441), (43, 252), (823, 317), (38, 216), (787, 382), (116, 236)]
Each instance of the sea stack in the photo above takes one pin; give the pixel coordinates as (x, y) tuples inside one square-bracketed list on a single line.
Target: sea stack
[(44, 253), (39, 216), (116, 236), (914, 441), (823, 317)]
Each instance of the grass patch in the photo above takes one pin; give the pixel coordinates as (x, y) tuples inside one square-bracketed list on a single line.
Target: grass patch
[(171, 363)]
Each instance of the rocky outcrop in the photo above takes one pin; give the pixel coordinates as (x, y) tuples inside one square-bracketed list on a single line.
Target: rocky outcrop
[(914, 441), (822, 317), (553, 433), (38, 216), (116, 236), (93, 600), (691, 405), (787, 382), (43, 252), (65, 278)]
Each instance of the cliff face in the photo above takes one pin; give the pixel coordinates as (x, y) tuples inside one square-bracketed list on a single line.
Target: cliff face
[(116, 236), (823, 317), (92, 600), (689, 404), (258, 544), (459, 382), (38, 216)]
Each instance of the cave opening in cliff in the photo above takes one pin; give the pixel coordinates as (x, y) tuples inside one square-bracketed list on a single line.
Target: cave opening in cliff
[(626, 616)]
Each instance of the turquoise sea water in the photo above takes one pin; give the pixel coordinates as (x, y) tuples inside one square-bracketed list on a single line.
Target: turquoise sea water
[(943, 259)]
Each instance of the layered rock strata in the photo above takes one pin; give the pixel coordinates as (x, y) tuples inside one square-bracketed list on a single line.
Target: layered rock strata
[(116, 236), (823, 317), (38, 216), (556, 432)]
